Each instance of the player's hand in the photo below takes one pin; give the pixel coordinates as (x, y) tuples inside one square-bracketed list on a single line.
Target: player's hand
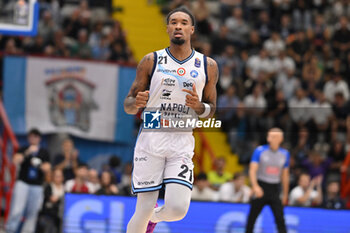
[(31, 149), (141, 99), (192, 99), (258, 192)]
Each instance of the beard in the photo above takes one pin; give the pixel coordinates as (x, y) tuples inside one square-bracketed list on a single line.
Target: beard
[(178, 41)]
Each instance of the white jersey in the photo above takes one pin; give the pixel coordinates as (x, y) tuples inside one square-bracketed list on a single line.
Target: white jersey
[(168, 79)]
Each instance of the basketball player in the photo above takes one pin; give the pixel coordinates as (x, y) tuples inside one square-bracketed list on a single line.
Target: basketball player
[(269, 167), (177, 78)]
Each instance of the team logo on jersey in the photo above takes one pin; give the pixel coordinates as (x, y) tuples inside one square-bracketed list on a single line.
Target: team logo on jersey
[(165, 94), (197, 62), (168, 82), (181, 71), (194, 74), (151, 120)]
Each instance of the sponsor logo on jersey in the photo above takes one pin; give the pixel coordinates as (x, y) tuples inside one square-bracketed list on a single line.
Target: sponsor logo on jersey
[(165, 94), (145, 183), (194, 74), (174, 107), (181, 71), (197, 62), (151, 120), (168, 82), (166, 71), (187, 84), (141, 159)]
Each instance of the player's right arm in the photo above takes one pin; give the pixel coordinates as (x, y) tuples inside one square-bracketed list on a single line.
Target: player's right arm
[(138, 95)]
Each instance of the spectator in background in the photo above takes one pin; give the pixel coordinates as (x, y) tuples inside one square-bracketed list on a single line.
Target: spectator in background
[(79, 184), (277, 111), (125, 184), (299, 48), (345, 180), (219, 176), (255, 104), (36, 47), (341, 110), (67, 160), (257, 64), (32, 163), (254, 44), (264, 26), (94, 180), (288, 83), (341, 38), (337, 154), (201, 13), (108, 186), (201, 189), (115, 168), (320, 31), (238, 28), (49, 219), (332, 198), (311, 73), (336, 85), (71, 25), (225, 80), (321, 115), (220, 41), (316, 165), (226, 7), (11, 47), (102, 50), (226, 108), (46, 27), (81, 49), (299, 110), (119, 52), (286, 28), (305, 194), (274, 45), (235, 190), (302, 15)]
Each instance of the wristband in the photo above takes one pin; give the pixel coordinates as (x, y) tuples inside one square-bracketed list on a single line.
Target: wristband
[(206, 112)]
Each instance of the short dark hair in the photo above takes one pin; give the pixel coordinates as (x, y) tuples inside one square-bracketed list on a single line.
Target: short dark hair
[(201, 176), (184, 10), (34, 132)]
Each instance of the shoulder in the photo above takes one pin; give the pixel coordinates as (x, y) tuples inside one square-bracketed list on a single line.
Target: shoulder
[(148, 59), (262, 148), (284, 151), (212, 69), (211, 62)]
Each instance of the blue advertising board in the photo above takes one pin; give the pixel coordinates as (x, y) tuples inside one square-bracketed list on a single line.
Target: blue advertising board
[(110, 214)]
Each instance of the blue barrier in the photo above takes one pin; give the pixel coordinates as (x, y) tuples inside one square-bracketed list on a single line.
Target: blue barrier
[(107, 214)]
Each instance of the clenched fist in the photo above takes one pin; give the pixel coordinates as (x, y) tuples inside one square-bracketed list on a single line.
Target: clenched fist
[(141, 99)]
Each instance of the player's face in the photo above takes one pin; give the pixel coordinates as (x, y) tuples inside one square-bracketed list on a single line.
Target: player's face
[(180, 28), (274, 138)]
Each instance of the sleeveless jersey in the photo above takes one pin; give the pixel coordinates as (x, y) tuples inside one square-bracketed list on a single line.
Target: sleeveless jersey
[(168, 79)]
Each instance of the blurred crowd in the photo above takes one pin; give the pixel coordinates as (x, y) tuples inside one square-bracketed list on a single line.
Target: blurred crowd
[(73, 29), (43, 179)]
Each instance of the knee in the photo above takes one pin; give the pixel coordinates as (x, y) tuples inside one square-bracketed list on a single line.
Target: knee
[(178, 211)]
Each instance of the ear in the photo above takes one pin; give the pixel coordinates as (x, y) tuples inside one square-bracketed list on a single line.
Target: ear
[(192, 30)]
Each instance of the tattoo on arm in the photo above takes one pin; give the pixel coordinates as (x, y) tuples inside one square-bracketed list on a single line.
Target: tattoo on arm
[(140, 83)]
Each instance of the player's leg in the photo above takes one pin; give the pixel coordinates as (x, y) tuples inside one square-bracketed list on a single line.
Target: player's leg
[(143, 212), (147, 179), (256, 206), (277, 210), (178, 178), (176, 203)]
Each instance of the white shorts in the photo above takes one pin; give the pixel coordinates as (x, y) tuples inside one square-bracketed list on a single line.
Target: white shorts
[(153, 169)]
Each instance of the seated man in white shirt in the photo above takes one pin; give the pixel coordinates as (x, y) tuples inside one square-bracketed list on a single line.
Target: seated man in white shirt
[(201, 189), (235, 190), (305, 194)]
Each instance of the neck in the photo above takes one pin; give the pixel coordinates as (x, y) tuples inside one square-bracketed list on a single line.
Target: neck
[(180, 52), (274, 147)]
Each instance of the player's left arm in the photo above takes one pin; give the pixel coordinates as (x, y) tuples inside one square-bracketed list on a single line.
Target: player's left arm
[(209, 92)]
